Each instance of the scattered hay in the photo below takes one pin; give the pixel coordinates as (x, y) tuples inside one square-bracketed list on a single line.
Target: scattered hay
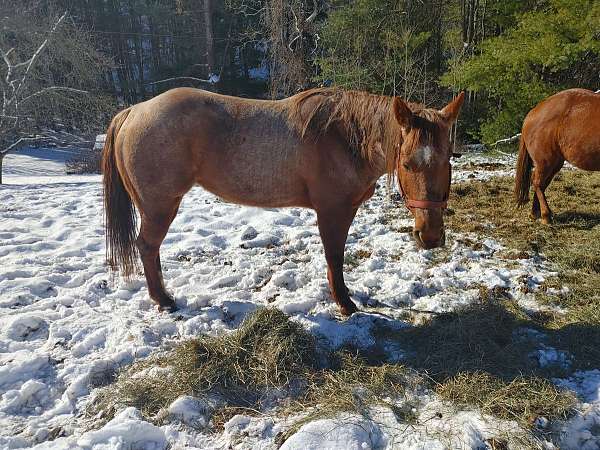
[(475, 338), (353, 259), (475, 356), (490, 166), (523, 399), (571, 245), (270, 361), (267, 352), (352, 385)]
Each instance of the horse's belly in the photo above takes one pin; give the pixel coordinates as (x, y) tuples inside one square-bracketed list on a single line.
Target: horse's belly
[(585, 157), (260, 195), (256, 185), (588, 164)]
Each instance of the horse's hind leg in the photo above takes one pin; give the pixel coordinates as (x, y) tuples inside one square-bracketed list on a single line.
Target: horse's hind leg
[(535, 207), (542, 176), (333, 227), (155, 224)]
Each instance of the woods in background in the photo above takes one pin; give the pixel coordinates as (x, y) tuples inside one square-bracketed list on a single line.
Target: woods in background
[(49, 79), (507, 54)]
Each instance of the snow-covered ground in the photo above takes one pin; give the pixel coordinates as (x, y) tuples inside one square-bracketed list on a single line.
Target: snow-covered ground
[(66, 323)]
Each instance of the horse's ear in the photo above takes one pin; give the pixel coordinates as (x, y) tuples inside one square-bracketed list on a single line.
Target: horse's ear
[(451, 110), (402, 112)]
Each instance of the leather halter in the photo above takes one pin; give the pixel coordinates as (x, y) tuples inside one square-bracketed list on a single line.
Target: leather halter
[(422, 204), (425, 204)]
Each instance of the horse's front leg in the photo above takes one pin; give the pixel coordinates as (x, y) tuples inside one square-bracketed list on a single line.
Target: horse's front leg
[(334, 224)]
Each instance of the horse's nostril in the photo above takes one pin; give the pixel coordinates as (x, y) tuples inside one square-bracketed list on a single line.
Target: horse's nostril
[(427, 244), (418, 238)]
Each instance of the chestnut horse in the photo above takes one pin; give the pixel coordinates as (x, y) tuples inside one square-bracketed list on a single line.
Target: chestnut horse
[(322, 149), (565, 126)]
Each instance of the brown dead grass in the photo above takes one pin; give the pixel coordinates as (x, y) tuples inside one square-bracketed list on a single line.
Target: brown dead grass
[(269, 362), (571, 245)]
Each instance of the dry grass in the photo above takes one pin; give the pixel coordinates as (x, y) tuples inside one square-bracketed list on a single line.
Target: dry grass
[(571, 245), (472, 339), (353, 259), (522, 399), (571, 242), (240, 369), (352, 385), (270, 361), (476, 356)]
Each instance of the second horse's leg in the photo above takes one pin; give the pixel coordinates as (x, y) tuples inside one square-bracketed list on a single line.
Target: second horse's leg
[(333, 227), (542, 176), (535, 207)]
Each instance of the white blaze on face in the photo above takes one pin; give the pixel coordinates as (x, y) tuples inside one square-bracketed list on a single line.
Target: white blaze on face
[(423, 156)]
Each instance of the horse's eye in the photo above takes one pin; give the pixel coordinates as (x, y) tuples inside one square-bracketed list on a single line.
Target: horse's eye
[(405, 165)]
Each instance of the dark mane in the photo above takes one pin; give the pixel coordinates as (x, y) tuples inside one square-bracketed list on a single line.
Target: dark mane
[(365, 120)]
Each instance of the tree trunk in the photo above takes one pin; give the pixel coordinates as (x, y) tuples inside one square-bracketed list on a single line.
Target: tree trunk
[(2, 155), (210, 50)]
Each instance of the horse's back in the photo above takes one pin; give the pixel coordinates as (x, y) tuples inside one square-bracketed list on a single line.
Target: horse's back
[(566, 125)]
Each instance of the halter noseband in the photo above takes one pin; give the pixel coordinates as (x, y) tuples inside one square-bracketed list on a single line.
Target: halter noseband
[(422, 204), (425, 204)]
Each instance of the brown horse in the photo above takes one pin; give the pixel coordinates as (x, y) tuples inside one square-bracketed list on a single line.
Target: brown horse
[(565, 126), (322, 149)]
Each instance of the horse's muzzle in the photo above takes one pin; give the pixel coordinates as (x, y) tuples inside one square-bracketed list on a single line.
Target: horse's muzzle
[(426, 243)]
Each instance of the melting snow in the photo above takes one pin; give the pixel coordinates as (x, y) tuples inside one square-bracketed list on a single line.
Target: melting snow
[(66, 324)]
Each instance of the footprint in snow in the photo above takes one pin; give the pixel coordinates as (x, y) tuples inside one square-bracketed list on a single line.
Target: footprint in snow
[(27, 328)]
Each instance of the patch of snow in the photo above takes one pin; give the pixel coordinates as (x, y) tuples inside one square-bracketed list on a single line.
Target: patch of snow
[(583, 430), (68, 325), (347, 432), (126, 430), (188, 410)]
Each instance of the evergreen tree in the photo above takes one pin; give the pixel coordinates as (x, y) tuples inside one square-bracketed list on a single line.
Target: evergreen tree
[(379, 46), (551, 49)]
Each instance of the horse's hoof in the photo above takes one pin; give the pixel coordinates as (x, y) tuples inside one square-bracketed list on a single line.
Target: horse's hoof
[(348, 310), (168, 308)]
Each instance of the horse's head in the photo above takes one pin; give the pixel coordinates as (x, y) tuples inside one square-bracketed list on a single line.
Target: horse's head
[(423, 166)]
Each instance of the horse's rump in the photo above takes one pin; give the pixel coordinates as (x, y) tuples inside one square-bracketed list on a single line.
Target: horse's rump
[(565, 125)]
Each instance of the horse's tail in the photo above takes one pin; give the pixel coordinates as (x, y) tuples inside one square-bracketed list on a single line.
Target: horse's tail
[(523, 175), (119, 214)]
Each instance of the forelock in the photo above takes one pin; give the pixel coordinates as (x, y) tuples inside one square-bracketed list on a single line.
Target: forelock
[(421, 146)]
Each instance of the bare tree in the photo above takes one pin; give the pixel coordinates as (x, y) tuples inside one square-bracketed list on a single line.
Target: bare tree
[(208, 27), (47, 67), (293, 43)]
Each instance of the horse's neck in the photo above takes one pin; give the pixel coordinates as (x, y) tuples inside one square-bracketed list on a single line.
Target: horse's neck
[(379, 130), (390, 145)]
